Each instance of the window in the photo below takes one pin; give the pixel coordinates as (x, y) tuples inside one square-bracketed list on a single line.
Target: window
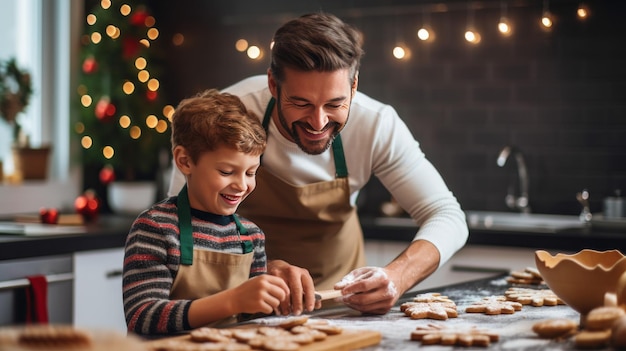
[(42, 35)]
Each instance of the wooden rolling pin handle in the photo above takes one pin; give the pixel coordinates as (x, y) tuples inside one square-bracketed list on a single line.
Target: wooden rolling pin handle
[(327, 294)]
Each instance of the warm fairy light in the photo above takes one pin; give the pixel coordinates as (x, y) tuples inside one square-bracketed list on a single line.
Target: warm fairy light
[(145, 42), (125, 10), (153, 33), (86, 100), (150, 21), (128, 87), (504, 27), (96, 37), (472, 37), (241, 45), (401, 52), (105, 4), (135, 132), (140, 63), (153, 84), (161, 126), (254, 52), (91, 19), (108, 152), (423, 34), (124, 121), (151, 121), (86, 142), (582, 12), (112, 31), (143, 76), (168, 111), (178, 39), (79, 127), (546, 20)]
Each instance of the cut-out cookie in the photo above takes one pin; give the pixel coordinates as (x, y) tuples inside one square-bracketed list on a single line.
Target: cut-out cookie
[(431, 306), (555, 328), (493, 305), (534, 297), (453, 335), (529, 276)]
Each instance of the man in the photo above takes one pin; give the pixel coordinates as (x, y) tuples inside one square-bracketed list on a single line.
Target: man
[(325, 141)]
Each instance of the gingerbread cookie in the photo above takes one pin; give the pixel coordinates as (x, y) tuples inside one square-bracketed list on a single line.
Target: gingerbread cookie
[(534, 297), (207, 334), (555, 328), (53, 336), (618, 333), (430, 310), (602, 318), (294, 321), (430, 305), (454, 335), (592, 339), (529, 276), (493, 305)]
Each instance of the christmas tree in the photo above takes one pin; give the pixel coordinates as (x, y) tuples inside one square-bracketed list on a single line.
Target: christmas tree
[(123, 122)]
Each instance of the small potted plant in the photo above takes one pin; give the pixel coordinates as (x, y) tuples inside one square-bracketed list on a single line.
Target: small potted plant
[(15, 93)]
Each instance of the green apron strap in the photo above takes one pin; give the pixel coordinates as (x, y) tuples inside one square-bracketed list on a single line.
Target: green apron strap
[(341, 169), (184, 225), (246, 246)]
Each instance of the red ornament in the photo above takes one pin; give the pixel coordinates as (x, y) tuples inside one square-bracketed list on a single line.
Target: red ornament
[(130, 47), (107, 174), (90, 65), (138, 18), (49, 215), (87, 205), (105, 110), (151, 95)]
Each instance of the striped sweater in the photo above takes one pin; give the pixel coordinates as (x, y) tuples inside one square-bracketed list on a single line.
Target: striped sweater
[(152, 259)]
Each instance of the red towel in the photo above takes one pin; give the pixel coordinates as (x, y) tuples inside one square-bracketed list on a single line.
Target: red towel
[(37, 300)]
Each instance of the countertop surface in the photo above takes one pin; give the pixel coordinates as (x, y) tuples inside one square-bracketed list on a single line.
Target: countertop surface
[(514, 330), (110, 231)]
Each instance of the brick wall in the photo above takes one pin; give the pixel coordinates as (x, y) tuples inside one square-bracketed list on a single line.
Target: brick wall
[(560, 97)]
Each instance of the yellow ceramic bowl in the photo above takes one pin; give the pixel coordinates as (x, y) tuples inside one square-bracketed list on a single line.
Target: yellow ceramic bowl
[(582, 279)]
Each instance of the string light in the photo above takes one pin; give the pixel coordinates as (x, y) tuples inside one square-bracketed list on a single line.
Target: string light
[(254, 52), (504, 25), (582, 12), (472, 36), (547, 20), (426, 33), (241, 45)]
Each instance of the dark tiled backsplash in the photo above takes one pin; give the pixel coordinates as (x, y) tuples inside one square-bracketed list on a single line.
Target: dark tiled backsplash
[(560, 96)]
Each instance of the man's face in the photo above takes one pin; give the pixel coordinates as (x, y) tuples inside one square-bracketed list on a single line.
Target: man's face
[(313, 107)]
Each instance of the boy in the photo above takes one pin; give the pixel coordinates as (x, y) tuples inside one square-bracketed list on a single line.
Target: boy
[(190, 261)]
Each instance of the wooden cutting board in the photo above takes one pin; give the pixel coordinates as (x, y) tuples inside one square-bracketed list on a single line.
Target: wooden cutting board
[(349, 339)]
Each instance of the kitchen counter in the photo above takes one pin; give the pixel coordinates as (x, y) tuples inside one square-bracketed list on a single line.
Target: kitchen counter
[(514, 329), (570, 239), (110, 231), (107, 232)]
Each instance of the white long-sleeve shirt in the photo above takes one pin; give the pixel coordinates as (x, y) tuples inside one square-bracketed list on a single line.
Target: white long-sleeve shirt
[(375, 142)]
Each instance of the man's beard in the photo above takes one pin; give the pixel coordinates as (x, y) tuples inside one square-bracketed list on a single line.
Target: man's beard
[(314, 148)]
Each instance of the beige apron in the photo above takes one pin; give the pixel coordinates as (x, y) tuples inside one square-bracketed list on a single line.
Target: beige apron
[(311, 226), (207, 272)]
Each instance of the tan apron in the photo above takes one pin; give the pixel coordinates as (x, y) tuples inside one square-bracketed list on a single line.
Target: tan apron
[(311, 226), (204, 272)]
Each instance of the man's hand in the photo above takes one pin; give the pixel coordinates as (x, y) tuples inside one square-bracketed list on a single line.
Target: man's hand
[(369, 290), (301, 287)]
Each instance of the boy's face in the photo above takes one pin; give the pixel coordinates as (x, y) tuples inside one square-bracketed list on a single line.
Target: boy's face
[(221, 179)]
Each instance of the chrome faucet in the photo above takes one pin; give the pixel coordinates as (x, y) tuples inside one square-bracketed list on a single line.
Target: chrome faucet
[(520, 202)]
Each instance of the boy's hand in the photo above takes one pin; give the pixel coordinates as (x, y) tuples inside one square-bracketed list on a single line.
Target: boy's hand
[(261, 294)]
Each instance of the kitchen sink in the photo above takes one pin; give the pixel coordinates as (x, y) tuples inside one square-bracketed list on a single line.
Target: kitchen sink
[(503, 221), (533, 222)]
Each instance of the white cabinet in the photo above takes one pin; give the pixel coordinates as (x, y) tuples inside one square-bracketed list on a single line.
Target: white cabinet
[(98, 289), (470, 263)]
